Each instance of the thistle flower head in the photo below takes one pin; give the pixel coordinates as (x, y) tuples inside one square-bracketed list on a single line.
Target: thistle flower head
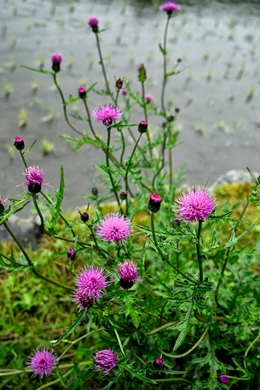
[(106, 114), (82, 92), (105, 360), (93, 23), (56, 59), (19, 143), (223, 378), (170, 7), (196, 204), (34, 179), (43, 362), (158, 363), (114, 228), (123, 91), (90, 284), (128, 273), (148, 98), (71, 254), (154, 203)]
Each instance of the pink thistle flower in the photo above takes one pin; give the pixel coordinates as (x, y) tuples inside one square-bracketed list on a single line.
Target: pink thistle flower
[(128, 273), (196, 204), (82, 92), (90, 284), (170, 7), (107, 114), (223, 378), (123, 91), (56, 58), (154, 203), (93, 23), (114, 228), (105, 360), (148, 98), (34, 179), (158, 363), (43, 362)]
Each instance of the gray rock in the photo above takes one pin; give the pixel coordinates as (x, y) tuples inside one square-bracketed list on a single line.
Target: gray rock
[(234, 176)]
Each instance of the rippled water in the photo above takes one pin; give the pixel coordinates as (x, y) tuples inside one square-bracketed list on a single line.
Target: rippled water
[(217, 90)]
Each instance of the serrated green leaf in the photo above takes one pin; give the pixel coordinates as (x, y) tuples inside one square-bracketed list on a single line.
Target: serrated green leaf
[(71, 99), (138, 375), (71, 328), (38, 70)]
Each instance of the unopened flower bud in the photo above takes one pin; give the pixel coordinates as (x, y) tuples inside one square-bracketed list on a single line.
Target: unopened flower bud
[(19, 143), (154, 203), (94, 191), (148, 98), (142, 127), (177, 109), (223, 378), (119, 83), (123, 195), (82, 92), (158, 364), (71, 254), (56, 58), (84, 216), (141, 73), (123, 91), (175, 222), (34, 188), (110, 261), (170, 118)]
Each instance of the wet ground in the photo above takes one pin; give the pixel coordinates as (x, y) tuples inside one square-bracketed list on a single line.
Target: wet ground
[(217, 91)]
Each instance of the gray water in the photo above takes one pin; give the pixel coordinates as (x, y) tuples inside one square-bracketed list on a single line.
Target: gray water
[(217, 90)]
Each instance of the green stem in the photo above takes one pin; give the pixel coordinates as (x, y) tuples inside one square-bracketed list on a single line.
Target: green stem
[(164, 65), (30, 263), (102, 64), (248, 349), (198, 252), (89, 119), (64, 105), (163, 257), (95, 241), (162, 161), (127, 170), (109, 172), (22, 157)]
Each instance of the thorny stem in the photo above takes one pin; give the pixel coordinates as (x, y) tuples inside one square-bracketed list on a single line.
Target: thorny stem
[(127, 170), (164, 258), (30, 263), (109, 172), (162, 160), (64, 105), (102, 64), (198, 252)]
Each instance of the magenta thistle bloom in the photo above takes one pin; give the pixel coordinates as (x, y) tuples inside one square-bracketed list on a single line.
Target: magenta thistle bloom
[(56, 58), (114, 228), (142, 127), (71, 254), (43, 362), (105, 360), (158, 363), (128, 273), (107, 114), (19, 143), (196, 204), (123, 91), (93, 23), (82, 92), (154, 203), (170, 7), (148, 98), (223, 378), (34, 179), (90, 285)]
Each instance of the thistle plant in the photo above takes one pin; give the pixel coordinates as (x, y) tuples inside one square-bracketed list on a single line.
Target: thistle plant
[(158, 287)]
